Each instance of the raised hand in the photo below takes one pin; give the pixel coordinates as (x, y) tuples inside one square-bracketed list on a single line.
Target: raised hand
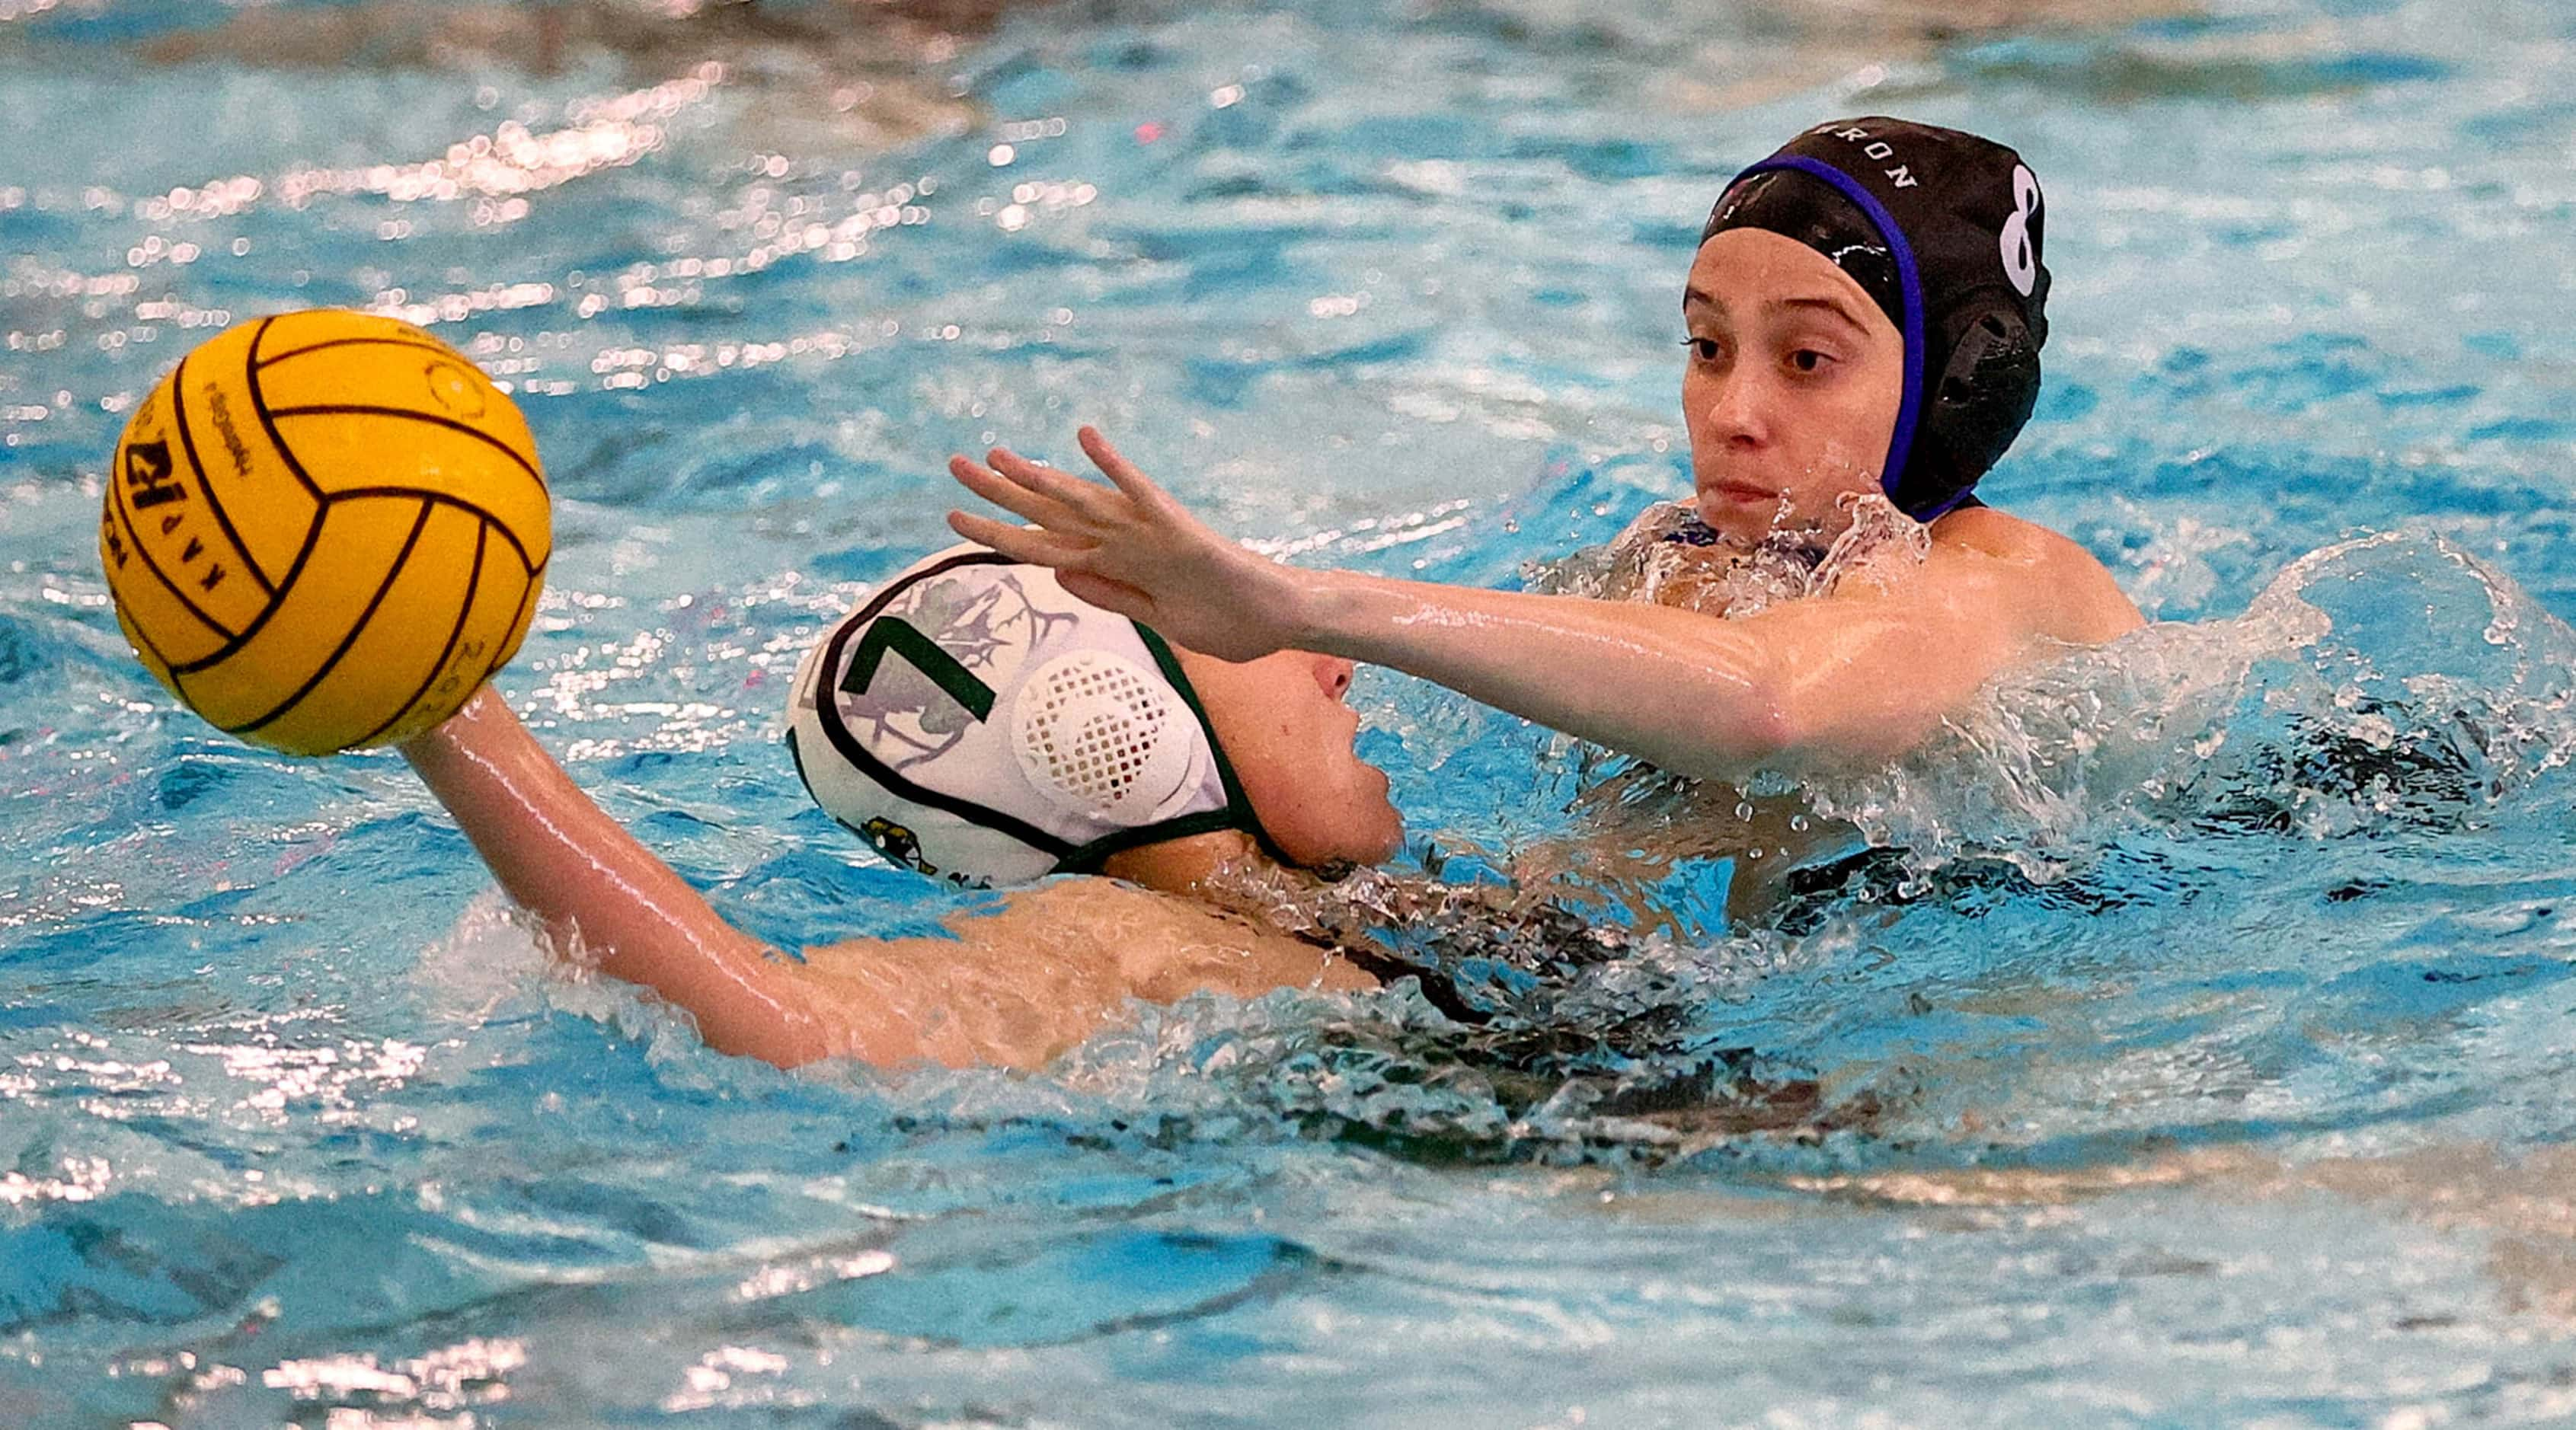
[(1129, 547)]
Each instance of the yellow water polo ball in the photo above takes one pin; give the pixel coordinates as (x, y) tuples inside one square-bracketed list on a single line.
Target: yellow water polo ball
[(324, 530)]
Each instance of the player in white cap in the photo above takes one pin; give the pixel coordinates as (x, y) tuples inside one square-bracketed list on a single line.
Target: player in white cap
[(975, 723)]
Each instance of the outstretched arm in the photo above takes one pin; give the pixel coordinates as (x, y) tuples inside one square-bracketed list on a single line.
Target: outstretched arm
[(562, 858), (1857, 676)]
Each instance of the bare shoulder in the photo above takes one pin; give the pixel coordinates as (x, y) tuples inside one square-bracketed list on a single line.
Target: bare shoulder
[(2069, 595), (1013, 985)]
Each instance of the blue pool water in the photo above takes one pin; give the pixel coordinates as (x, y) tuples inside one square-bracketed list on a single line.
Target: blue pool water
[(2199, 1049)]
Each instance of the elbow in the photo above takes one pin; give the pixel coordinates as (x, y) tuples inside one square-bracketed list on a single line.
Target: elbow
[(1767, 722), (786, 1042), (1816, 725), (1729, 733), (1774, 733)]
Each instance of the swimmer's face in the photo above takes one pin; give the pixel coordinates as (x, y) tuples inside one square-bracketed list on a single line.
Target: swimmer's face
[(1791, 387), (1286, 724)]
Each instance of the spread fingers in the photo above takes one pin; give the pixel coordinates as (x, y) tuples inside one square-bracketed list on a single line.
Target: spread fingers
[(1134, 483), (1015, 497), (1038, 548), (1089, 498)]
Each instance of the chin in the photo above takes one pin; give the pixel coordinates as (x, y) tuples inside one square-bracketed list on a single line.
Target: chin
[(1363, 843), (1358, 843)]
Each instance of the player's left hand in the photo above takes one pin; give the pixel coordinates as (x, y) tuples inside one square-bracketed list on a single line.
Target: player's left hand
[(1129, 547)]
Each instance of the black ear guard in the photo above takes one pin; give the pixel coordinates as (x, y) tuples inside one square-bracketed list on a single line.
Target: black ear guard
[(1985, 394)]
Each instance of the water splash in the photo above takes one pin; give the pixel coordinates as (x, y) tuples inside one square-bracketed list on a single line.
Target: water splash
[(1667, 557), (2382, 688), (2389, 680)]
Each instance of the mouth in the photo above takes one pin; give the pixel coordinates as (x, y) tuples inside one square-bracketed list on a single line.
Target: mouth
[(1741, 493)]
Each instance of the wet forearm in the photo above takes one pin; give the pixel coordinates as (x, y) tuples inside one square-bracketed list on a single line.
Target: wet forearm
[(563, 859), (1684, 690)]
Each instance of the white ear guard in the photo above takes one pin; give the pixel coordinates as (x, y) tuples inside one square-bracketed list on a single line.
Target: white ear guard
[(1102, 737), (975, 722)]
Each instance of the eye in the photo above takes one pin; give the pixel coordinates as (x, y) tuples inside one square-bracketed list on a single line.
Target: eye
[(1704, 349), (1808, 360)]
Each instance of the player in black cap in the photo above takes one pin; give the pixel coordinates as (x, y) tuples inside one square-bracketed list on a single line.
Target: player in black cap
[(1864, 314), (1943, 231)]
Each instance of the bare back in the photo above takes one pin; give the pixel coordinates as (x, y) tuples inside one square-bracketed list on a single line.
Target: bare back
[(1053, 967)]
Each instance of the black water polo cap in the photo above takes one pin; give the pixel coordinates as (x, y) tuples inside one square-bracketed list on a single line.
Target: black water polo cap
[(1943, 230)]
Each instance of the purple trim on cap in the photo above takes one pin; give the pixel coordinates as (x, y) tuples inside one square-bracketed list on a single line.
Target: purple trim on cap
[(1945, 508), (1900, 444)]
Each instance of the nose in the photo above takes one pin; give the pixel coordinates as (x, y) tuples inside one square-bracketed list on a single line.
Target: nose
[(1333, 674), (1736, 411)]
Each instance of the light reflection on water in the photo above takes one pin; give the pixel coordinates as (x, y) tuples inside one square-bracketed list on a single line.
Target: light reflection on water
[(471, 1373)]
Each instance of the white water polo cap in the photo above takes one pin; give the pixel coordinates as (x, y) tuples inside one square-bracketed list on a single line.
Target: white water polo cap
[(975, 722)]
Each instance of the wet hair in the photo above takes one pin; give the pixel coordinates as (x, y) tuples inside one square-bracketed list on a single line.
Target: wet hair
[(1943, 231)]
